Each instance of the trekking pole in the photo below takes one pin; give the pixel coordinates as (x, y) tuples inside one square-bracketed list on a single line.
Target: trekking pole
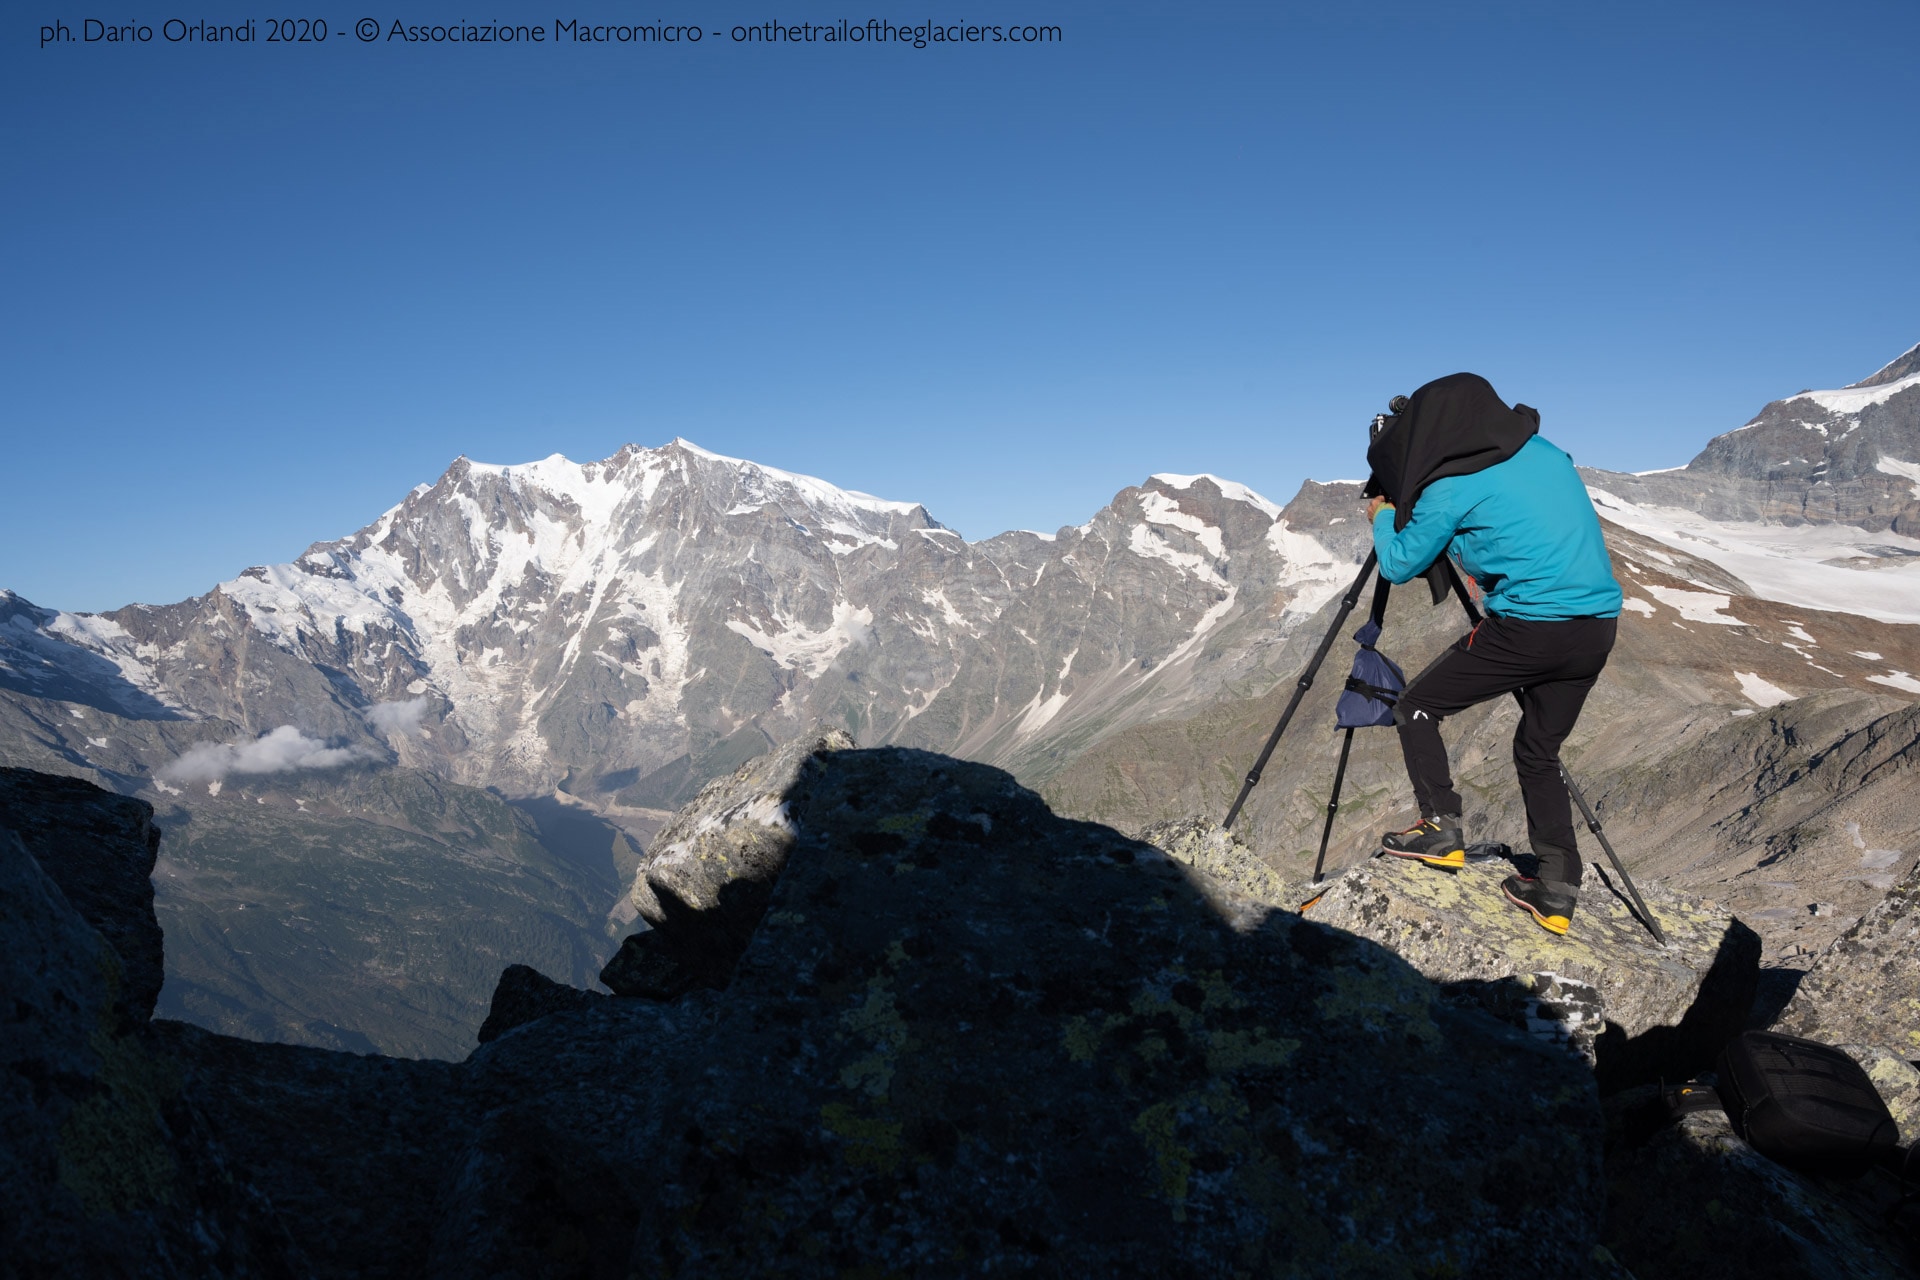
[(1300, 689), (1593, 822)]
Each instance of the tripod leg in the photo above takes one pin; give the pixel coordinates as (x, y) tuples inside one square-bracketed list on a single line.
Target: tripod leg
[(1333, 804), (1593, 825), (1300, 688)]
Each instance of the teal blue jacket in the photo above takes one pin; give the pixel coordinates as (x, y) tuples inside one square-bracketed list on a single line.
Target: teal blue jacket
[(1523, 529)]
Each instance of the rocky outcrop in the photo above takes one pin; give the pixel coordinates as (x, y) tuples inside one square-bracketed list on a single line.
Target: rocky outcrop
[(704, 882), (1865, 987), (99, 848), (965, 1036), (1225, 858), (1662, 1011), (1696, 1201), (523, 995), (968, 1029), (107, 1167), (1897, 1080)]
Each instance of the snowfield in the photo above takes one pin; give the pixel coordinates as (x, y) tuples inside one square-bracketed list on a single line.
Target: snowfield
[(1818, 566)]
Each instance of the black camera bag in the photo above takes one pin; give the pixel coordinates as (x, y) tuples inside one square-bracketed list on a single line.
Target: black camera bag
[(1805, 1104)]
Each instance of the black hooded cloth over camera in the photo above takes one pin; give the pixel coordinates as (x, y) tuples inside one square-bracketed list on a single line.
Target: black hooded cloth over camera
[(1452, 426)]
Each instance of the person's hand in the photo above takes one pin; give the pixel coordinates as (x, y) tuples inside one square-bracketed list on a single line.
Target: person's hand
[(1373, 508)]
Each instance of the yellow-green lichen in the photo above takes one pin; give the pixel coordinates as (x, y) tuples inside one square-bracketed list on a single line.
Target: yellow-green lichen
[(113, 1151), (870, 1141), (1158, 1127), (876, 1021), (1082, 1041), (1234, 1050), (1385, 998)]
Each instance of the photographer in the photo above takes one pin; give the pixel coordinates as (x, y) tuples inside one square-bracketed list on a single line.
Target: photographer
[(1472, 479)]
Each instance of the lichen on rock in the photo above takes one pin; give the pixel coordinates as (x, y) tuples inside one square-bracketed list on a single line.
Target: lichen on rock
[(1865, 987), (1666, 1010)]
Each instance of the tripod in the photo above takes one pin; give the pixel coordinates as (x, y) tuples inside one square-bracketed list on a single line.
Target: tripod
[(1305, 682)]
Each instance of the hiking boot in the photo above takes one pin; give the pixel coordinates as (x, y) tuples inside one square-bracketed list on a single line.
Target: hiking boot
[(1434, 841), (1550, 904)]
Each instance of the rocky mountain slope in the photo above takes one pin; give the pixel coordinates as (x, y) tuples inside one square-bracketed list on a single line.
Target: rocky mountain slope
[(615, 628), (1816, 490), (592, 642)]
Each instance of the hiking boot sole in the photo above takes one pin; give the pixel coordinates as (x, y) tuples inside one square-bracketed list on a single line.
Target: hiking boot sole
[(1445, 861), (1552, 924)]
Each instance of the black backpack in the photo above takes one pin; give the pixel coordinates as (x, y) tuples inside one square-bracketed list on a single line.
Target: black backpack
[(1807, 1105)]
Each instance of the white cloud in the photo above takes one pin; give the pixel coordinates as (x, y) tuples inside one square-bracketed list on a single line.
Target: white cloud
[(282, 751), (397, 718)]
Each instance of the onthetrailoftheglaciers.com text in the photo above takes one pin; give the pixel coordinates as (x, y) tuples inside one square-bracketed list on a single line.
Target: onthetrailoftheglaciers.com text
[(312, 31)]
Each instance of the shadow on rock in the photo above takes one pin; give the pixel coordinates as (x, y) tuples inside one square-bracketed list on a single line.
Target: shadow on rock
[(967, 1035), (1719, 1012), (941, 1031)]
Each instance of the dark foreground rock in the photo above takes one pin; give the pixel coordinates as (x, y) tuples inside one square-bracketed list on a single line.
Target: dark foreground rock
[(1694, 1201), (966, 1037), (107, 1167), (524, 995), (1865, 987), (972, 1036), (99, 848)]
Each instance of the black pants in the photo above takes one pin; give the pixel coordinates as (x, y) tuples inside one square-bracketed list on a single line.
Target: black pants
[(1551, 665)]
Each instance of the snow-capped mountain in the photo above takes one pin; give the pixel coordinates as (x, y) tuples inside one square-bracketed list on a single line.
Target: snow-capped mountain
[(624, 628), (1828, 478)]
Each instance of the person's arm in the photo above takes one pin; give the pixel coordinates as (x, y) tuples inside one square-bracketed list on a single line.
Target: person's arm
[(1408, 552)]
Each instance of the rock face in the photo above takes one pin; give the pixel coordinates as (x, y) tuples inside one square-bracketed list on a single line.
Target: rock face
[(1898, 1082), (1820, 456), (1865, 987), (107, 1167), (1225, 858), (524, 994), (99, 848), (704, 883), (1043, 1048), (1696, 1201), (1667, 1010), (994, 1040)]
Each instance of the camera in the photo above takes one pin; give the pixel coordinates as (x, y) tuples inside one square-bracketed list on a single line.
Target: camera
[(1381, 421)]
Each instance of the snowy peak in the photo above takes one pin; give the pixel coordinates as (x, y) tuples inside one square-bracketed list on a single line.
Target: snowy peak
[(639, 620), (1905, 365), (1849, 456), (1230, 490)]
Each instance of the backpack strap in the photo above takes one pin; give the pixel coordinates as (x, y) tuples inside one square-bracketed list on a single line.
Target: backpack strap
[(1389, 696)]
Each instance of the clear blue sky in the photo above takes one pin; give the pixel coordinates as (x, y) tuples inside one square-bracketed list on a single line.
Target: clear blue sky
[(251, 294)]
